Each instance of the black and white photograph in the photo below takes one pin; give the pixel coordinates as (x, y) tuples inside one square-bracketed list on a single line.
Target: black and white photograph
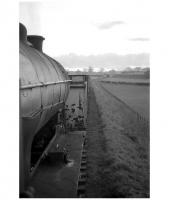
[(84, 99), (84, 87)]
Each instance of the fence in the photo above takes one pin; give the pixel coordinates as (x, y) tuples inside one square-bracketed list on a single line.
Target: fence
[(138, 116)]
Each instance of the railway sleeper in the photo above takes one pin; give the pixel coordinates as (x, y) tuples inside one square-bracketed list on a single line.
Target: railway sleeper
[(82, 180), (84, 157), (83, 168), (83, 175), (81, 190), (83, 162), (82, 196), (84, 151), (83, 165)]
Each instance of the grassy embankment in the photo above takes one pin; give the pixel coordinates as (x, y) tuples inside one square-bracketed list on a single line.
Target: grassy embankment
[(118, 149)]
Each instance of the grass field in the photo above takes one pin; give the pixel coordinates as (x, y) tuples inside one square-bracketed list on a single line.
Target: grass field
[(137, 97), (124, 78), (131, 76)]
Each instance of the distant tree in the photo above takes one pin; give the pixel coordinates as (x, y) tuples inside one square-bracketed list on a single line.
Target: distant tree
[(147, 73), (84, 70), (128, 69), (145, 69), (137, 69), (101, 70), (78, 71), (112, 71), (90, 69)]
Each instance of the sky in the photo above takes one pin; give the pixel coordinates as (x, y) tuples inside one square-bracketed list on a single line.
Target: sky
[(89, 27)]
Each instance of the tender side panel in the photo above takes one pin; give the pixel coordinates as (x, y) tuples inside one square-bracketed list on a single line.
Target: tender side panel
[(76, 104)]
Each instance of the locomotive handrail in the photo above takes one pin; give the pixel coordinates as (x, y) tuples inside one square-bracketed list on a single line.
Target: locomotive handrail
[(43, 84)]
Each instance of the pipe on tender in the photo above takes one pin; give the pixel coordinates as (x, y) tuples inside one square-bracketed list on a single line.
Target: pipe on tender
[(36, 41)]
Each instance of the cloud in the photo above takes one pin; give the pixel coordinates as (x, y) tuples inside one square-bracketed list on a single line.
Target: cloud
[(139, 39), (108, 25)]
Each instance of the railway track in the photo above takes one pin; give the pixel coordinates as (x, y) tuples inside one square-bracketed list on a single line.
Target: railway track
[(81, 185)]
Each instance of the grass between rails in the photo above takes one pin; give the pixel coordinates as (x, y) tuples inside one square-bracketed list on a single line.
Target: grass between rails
[(118, 149)]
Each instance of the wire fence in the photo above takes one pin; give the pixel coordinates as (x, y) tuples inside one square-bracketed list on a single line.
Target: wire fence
[(139, 117), (141, 83)]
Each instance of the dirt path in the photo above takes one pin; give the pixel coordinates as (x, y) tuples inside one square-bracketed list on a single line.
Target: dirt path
[(118, 149)]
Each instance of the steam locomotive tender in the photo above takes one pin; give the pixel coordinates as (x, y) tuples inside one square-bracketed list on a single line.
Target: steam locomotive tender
[(44, 87)]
